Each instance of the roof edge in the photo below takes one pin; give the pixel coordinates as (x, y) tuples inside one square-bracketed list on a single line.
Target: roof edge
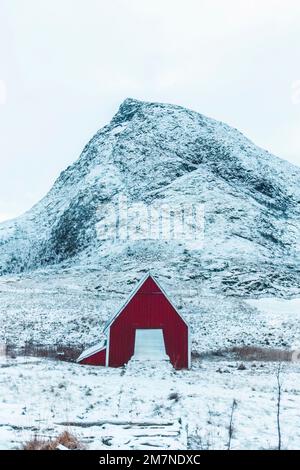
[(90, 351), (133, 292)]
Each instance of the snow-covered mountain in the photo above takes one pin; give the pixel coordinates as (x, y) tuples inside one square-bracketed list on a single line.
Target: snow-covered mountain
[(61, 279), (159, 152)]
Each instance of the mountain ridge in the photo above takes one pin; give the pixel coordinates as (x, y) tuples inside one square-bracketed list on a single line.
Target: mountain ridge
[(157, 151)]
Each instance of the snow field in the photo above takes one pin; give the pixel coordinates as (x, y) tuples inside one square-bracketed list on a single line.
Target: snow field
[(38, 394)]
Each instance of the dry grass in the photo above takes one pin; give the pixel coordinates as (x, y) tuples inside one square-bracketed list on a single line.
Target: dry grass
[(248, 353), (60, 351), (68, 440), (251, 353), (35, 443)]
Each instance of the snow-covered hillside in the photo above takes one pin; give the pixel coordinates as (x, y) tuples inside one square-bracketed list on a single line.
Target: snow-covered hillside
[(150, 153), (60, 281), (70, 307)]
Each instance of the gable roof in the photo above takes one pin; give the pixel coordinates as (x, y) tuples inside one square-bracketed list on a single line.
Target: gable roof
[(132, 294)]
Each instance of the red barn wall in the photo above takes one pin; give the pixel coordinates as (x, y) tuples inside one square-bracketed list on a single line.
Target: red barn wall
[(97, 359), (149, 308)]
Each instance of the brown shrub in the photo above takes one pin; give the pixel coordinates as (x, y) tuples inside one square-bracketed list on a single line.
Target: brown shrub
[(36, 443), (68, 440)]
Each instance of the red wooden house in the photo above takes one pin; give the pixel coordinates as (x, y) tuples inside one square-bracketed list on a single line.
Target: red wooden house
[(147, 327)]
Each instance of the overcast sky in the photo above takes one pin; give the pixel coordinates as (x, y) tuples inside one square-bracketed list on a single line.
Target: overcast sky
[(66, 65)]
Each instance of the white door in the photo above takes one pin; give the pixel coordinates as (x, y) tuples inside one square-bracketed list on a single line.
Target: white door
[(150, 345)]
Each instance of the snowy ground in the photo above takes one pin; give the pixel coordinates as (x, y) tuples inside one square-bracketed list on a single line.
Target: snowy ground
[(36, 394), (70, 307)]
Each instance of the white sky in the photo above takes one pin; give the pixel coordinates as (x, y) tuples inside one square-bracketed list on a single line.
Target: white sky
[(66, 65)]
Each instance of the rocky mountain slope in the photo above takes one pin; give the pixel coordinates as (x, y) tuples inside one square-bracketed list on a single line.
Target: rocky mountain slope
[(152, 152)]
